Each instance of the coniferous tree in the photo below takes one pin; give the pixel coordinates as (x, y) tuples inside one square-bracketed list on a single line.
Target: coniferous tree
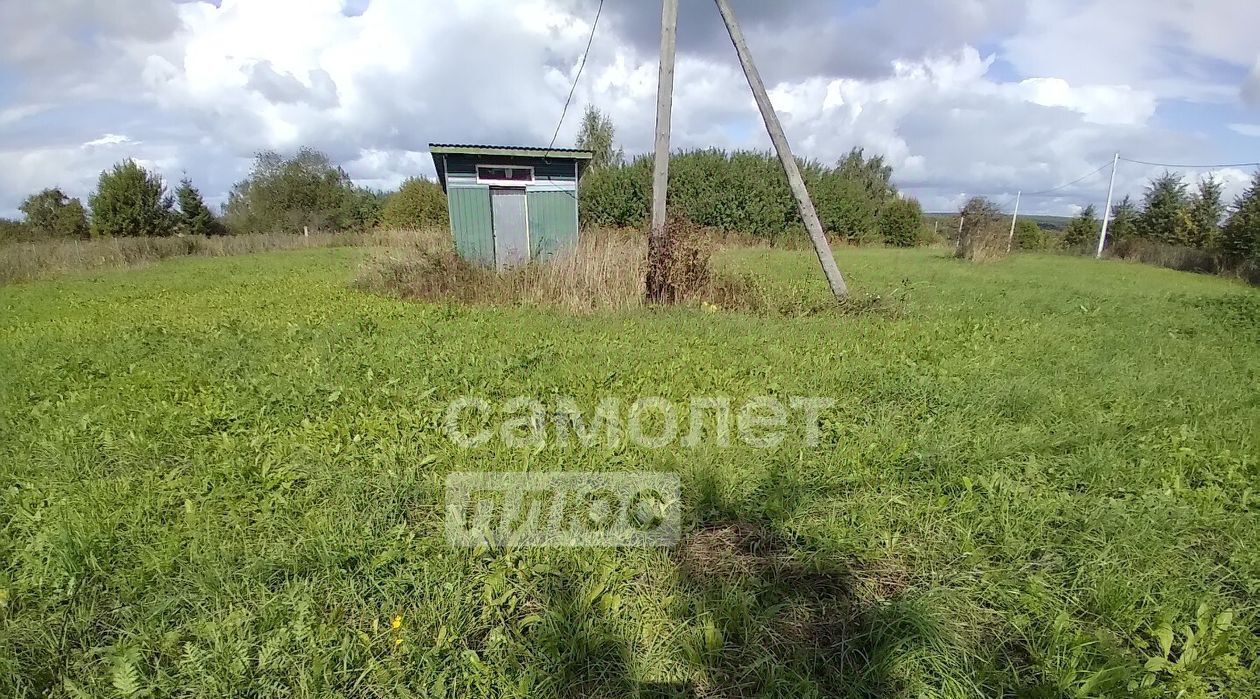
[(1082, 231), (194, 216), (1123, 223), (130, 200), (1165, 216), (1206, 212), (1240, 239)]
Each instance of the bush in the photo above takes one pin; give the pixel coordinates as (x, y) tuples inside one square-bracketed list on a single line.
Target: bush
[(1081, 234), (52, 214), (1179, 257), (13, 231), (617, 197), (418, 203), (130, 200), (1030, 236), (901, 223), (742, 192)]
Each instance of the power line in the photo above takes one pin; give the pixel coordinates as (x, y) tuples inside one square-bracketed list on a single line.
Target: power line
[(581, 66), (1144, 162), (1068, 184)]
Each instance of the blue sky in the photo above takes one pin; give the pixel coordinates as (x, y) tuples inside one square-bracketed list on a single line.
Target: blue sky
[(962, 96)]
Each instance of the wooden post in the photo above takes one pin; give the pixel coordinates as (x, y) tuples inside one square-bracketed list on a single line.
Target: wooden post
[(1011, 238), (834, 279), (1111, 188), (656, 268)]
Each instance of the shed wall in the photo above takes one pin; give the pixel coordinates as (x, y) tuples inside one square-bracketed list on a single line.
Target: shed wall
[(552, 222), (471, 224), (552, 205)]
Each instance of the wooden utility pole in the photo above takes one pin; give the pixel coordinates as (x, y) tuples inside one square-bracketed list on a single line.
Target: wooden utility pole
[(1011, 238), (657, 244), (1111, 188), (834, 279)]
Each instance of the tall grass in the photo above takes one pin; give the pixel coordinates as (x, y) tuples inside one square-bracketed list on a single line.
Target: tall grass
[(28, 261), (1184, 259), (605, 271)]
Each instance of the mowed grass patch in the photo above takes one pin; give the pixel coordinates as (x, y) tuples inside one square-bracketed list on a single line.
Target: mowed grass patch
[(224, 477)]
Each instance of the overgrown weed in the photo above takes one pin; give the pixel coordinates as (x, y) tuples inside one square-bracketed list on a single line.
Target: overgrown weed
[(604, 272)]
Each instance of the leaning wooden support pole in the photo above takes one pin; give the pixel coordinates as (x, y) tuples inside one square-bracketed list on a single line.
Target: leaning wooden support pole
[(657, 244), (834, 279)]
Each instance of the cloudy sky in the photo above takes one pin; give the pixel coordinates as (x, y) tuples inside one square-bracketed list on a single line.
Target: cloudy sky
[(963, 96)]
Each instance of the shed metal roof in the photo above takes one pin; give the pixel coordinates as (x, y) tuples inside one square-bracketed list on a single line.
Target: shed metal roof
[(522, 151)]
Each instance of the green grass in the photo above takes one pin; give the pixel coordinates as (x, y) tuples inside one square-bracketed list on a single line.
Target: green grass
[(223, 477)]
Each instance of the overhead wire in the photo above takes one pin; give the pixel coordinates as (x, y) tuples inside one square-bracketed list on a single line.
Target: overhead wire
[(573, 87), (1187, 167), (1068, 184)]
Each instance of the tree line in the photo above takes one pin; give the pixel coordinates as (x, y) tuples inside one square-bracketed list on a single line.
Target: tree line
[(738, 192), (1192, 226), (303, 192), (745, 191)]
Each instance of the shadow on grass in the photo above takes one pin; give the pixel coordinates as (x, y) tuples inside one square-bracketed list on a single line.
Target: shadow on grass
[(751, 618)]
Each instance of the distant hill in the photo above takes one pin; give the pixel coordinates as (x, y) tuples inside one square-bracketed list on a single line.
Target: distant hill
[(1053, 223)]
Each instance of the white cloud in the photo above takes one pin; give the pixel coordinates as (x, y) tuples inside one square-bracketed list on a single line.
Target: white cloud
[(1252, 130), (951, 130), (109, 139), (1169, 47), (1101, 104), (199, 87)]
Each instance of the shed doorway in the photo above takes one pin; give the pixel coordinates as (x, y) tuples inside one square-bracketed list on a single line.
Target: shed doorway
[(510, 222)]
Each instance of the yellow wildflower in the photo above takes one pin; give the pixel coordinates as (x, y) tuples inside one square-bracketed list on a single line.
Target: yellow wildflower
[(396, 623)]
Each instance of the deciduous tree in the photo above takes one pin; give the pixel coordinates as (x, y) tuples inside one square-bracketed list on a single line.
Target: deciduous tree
[(598, 135), (50, 213), (289, 194), (418, 203)]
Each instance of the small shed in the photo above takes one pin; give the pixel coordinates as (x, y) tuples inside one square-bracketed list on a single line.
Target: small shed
[(510, 204)]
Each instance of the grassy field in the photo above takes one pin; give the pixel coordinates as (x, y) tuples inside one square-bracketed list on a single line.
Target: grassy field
[(224, 477)]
